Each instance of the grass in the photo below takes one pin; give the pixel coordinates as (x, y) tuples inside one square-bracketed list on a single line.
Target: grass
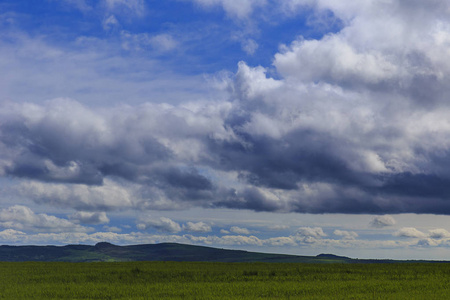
[(196, 280)]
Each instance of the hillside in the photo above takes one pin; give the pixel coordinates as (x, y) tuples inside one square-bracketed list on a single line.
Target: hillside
[(159, 252)]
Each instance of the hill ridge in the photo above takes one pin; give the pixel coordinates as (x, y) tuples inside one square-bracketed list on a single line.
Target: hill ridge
[(104, 251)]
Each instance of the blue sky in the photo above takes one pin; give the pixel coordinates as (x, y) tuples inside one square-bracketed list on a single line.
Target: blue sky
[(297, 126)]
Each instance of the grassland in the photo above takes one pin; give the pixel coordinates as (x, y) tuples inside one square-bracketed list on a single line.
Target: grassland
[(200, 280)]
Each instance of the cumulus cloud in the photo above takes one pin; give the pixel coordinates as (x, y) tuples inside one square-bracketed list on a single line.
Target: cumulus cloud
[(355, 121), (309, 235), (281, 241), (109, 196), (22, 218), (93, 218), (197, 227), (239, 230), (315, 232), (410, 232), (382, 221), (438, 233), (12, 236), (428, 243), (348, 235), (161, 224), (228, 240)]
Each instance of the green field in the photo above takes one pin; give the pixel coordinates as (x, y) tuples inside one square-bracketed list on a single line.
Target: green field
[(197, 280)]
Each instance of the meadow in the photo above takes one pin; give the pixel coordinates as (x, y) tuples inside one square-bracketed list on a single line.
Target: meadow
[(201, 280)]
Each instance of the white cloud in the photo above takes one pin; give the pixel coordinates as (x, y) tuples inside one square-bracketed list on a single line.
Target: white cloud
[(428, 243), (382, 221), (309, 235), (197, 227), (315, 232), (348, 235), (280, 241), (228, 240), (39, 70), (89, 217), (438, 233), (161, 224), (22, 218), (278, 227), (333, 60), (163, 42), (12, 236), (251, 83), (239, 230), (110, 196), (139, 42), (409, 232)]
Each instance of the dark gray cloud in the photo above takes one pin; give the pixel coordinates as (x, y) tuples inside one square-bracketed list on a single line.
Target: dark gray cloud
[(382, 221)]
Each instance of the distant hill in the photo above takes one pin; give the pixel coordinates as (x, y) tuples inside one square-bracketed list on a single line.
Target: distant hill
[(159, 252)]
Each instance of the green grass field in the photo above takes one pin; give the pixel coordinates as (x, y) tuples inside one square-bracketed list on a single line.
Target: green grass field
[(197, 280)]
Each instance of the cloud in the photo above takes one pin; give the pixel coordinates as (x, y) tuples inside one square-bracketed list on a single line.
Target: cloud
[(228, 240), (355, 121), (12, 235), (236, 9), (281, 241), (347, 235), (161, 224), (278, 227), (382, 221), (197, 227), (315, 232), (93, 218), (110, 196), (438, 233), (110, 23), (163, 42), (139, 42), (410, 232), (41, 70), (249, 46), (22, 218), (428, 243), (239, 230)]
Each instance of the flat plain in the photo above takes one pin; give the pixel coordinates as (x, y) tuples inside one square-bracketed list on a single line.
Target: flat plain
[(206, 280)]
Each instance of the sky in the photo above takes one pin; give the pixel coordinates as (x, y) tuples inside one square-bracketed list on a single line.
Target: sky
[(294, 126)]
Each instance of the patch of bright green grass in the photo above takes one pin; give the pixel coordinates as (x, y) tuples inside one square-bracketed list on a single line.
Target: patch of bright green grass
[(196, 280)]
